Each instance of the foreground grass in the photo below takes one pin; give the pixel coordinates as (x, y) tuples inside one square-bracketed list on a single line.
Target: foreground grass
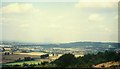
[(21, 63)]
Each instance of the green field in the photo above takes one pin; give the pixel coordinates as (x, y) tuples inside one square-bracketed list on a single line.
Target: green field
[(21, 63)]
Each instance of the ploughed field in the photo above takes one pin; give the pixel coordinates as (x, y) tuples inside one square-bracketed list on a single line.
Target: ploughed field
[(12, 58), (36, 55), (15, 56)]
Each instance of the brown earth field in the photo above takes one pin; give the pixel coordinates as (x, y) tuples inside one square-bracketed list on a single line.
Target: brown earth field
[(13, 57), (17, 55)]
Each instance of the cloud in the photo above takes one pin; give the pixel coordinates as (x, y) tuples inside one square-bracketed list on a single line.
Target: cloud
[(98, 0), (95, 17), (96, 4), (19, 8), (57, 18), (108, 30), (24, 25), (116, 17), (54, 26)]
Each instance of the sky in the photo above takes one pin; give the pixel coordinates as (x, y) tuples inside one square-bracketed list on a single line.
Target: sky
[(59, 22)]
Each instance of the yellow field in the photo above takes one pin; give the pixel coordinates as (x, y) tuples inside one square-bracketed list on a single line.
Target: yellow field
[(107, 64), (15, 56), (31, 53)]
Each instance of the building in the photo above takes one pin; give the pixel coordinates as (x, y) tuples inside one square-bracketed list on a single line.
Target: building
[(7, 50)]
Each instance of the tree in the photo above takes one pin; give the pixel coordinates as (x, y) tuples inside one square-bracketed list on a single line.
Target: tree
[(44, 56), (28, 58), (65, 60), (44, 63), (25, 64)]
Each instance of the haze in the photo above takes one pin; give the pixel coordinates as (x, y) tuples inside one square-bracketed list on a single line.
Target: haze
[(56, 22)]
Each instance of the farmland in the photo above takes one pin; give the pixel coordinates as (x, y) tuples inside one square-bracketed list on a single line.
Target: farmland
[(21, 63)]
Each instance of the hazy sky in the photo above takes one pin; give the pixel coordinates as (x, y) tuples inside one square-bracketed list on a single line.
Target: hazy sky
[(59, 21)]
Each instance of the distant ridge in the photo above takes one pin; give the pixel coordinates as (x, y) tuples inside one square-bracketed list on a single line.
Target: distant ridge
[(65, 45)]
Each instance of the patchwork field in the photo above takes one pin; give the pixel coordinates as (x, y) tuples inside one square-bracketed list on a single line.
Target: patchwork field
[(36, 55), (15, 56)]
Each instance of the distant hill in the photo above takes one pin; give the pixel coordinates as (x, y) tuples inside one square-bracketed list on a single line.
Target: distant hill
[(66, 45), (78, 44)]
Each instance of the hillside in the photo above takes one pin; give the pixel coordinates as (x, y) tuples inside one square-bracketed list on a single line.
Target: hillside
[(108, 64)]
